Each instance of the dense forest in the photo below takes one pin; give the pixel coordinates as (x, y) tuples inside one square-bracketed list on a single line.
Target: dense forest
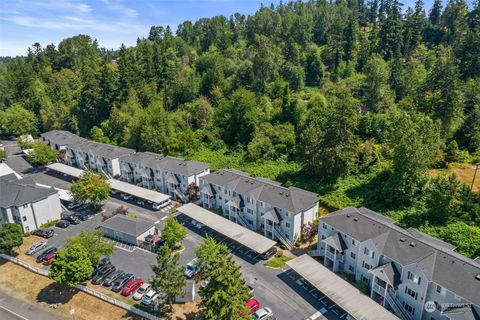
[(356, 101)]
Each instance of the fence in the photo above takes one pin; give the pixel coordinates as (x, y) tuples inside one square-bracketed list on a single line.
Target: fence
[(87, 290)]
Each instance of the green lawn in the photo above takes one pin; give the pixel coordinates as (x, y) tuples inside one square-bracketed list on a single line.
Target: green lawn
[(277, 262)]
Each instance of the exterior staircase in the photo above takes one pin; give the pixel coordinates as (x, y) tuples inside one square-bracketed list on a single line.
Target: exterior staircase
[(241, 220), (180, 195), (315, 253), (283, 239), (390, 297)]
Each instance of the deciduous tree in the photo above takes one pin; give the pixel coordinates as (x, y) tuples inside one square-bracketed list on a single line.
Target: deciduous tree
[(71, 266)]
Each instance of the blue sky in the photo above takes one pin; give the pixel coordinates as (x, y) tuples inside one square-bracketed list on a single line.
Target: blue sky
[(111, 22)]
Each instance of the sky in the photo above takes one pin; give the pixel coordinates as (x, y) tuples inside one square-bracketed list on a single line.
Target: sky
[(111, 22)]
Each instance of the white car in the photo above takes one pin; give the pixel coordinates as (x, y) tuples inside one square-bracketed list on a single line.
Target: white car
[(36, 247), (199, 225), (149, 297), (192, 269), (262, 314), (73, 205), (193, 222), (126, 196), (144, 288)]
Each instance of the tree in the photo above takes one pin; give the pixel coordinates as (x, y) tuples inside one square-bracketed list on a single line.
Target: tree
[(192, 190), (71, 266), (95, 244), (96, 134), (225, 294), (42, 154), (377, 94), (465, 237), (11, 235), (91, 186), (16, 120), (444, 198), (168, 275), (3, 155), (173, 232)]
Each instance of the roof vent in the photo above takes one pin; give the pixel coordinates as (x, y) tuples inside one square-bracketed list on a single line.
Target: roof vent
[(402, 239), (412, 244), (355, 219), (287, 195), (281, 192), (348, 215), (477, 277)]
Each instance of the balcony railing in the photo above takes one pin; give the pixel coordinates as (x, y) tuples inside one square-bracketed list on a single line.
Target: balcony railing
[(379, 289), (397, 306), (330, 255)]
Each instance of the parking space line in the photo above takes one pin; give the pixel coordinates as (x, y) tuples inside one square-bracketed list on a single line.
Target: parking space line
[(333, 305), (343, 315)]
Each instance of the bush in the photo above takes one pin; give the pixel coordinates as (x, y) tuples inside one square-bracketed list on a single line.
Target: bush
[(49, 224), (363, 287), (3, 155)]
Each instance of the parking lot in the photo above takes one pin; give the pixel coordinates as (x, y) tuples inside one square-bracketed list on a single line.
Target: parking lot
[(279, 289)]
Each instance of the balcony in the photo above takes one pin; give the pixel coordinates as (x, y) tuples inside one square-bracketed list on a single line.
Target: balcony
[(330, 255), (379, 289)]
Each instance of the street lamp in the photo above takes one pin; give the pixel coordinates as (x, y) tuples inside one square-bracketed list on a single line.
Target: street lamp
[(477, 167)]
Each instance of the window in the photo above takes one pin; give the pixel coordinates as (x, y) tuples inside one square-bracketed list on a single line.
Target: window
[(365, 279), (219, 197), (350, 268), (353, 242), (414, 277), (352, 255), (411, 293), (24, 218), (286, 214), (439, 289), (366, 265), (369, 253), (287, 224), (323, 237), (219, 188), (409, 308), (324, 226)]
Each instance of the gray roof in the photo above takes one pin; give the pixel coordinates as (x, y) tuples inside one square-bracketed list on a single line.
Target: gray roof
[(62, 137), (16, 193), (337, 241), (437, 259), (465, 313), (207, 189), (390, 272), (291, 199), (124, 224), (272, 215), (171, 164)]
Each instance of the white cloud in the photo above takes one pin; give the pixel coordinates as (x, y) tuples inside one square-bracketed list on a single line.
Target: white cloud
[(64, 5)]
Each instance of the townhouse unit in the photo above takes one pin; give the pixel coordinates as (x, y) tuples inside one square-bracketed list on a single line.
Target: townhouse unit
[(407, 271), (25, 203), (85, 154), (166, 174), (259, 204)]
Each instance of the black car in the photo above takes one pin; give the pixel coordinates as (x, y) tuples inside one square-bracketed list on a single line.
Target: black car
[(82, 216), (45, 253), (44, 233), (62, 224), (270, 253), (99, 268), (121, 281), (73, 219), (107, 282), (101, 274)]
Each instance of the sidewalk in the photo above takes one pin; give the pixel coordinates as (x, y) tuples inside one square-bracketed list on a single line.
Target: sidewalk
[(12, 308)]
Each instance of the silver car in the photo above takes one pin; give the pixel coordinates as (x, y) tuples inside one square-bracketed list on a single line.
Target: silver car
[(36, 247), (263, 314)]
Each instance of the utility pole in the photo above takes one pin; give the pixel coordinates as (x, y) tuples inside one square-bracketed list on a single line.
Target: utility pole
[(477, 167)]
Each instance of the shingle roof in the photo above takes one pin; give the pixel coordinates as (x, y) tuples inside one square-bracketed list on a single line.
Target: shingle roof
[(337, 241), (124, 224), (437, 259), (171, 164), (390, 272), (291, 199), (17, 192)]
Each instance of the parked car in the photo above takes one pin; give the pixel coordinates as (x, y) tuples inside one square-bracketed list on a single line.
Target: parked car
[(36, 247), (81, 216), (102, 274), (251, 290), (49, 258), (121, 281), (131, 286), (73, 219), (126, 196), (44, 253), (73, 205), (262, 314), (44, 233), (270, 253), (199, 225), (252, 305), (63, 224), (107, 282), (140, 202), (158, 206), (193, 222), (192, 269), (149, 297), (102, 266), (144, 288)]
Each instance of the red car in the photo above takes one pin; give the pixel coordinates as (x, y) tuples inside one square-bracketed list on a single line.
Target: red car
[(252, 305), (131, 286), (49, 258)]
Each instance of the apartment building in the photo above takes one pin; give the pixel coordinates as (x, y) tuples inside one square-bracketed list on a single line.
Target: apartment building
[(85, 154), (413, 274), (259, 204), (25, 203), (168, 175)]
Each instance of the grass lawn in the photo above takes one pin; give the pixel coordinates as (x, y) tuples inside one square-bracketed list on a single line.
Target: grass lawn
[(277, 262), (463, 171)]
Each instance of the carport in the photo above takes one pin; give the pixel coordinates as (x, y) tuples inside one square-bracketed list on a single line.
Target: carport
[(63, 168), (346, 296), (229, 229), (133, 190), (139, 192)]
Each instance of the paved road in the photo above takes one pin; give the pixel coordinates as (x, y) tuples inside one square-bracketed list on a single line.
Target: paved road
[(15, 309)]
